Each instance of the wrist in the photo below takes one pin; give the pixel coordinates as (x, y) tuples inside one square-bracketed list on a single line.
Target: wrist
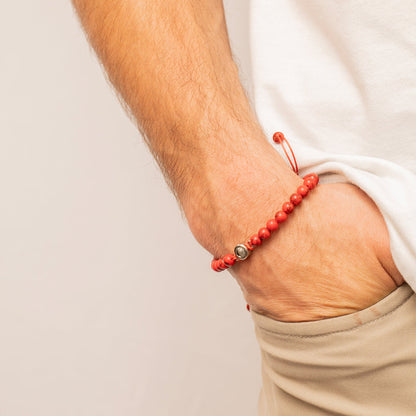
[(229, 202)]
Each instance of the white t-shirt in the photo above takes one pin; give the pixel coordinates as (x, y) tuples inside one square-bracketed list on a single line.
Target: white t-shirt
[(339, 79)]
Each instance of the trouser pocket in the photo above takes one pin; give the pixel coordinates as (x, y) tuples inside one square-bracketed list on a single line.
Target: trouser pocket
[(358, 364)]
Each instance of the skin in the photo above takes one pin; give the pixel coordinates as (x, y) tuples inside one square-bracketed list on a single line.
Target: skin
[(171, 65)]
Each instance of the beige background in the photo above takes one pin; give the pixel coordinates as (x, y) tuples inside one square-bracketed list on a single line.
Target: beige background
[(107, 303)]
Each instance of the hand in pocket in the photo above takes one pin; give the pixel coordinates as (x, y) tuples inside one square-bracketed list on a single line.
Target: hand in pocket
[(330, 258)]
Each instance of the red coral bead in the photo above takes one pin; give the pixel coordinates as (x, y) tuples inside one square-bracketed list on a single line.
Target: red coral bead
[(278, 137), (309, 183), (214, 264), (272, 225), (217, 265), (288, 207), (229, 259), (280, 216), (311, 177), (248, 307), (295, 199), (303, 190), (255, 240), (222, 265), (264, 233)]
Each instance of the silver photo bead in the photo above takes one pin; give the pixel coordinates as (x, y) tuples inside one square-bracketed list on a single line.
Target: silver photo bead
[(241, 251)]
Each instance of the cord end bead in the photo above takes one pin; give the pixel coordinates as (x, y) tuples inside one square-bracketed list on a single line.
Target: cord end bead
[(278, 137)]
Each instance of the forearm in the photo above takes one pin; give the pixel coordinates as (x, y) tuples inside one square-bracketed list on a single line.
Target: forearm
[(172, 65)]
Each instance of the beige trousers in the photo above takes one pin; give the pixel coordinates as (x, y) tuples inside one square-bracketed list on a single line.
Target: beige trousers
[(362, 364)]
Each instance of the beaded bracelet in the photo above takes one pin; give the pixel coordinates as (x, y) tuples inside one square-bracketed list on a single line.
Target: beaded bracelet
[(243, 250)]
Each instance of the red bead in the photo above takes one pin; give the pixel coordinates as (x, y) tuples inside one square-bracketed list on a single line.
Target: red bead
[(309, 183), (272, 225), (248, 307), (312, 176), (215, 265), (288, 207), (295, 199), (255, 240), (264, 233), (229, 259), (222, 265), (280, 216), (303, 190), (278, 137)]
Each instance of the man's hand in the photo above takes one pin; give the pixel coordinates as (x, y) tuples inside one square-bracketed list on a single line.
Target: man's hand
[(331, 257)]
